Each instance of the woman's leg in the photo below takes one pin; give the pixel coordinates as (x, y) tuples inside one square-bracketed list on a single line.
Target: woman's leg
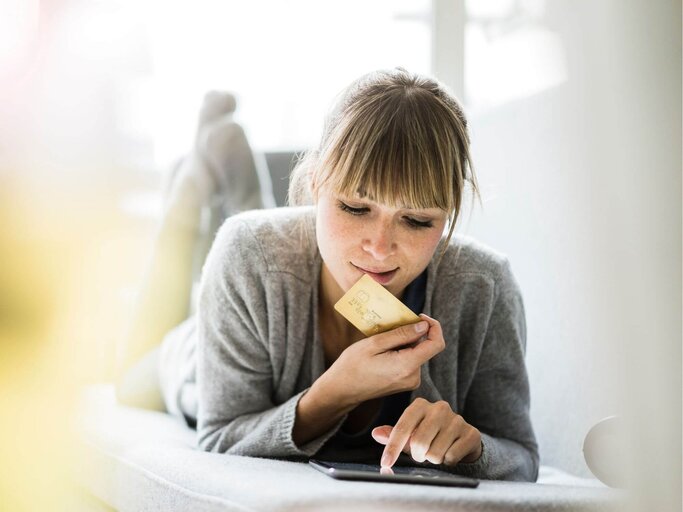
[(219, 171), (164, 298)]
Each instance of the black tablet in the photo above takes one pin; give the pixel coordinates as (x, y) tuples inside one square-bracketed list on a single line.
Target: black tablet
[(397, 474)]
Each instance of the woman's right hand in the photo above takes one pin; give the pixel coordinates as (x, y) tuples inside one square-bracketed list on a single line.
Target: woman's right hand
[(383, 364)]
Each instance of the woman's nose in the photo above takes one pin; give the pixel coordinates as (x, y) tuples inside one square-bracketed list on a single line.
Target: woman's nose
[(380, 241)]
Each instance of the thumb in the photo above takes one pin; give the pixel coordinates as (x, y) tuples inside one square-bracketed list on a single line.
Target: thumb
[(404, 335), (381, 434)]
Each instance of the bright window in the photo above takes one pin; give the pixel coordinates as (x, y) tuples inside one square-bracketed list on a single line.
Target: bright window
[(511, 52), (285, 61)]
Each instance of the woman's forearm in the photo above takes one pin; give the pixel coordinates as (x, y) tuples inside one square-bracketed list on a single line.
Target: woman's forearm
[(319, 409)]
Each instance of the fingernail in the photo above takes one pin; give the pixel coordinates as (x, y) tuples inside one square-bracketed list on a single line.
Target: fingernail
[(386, 460), (421, 326)]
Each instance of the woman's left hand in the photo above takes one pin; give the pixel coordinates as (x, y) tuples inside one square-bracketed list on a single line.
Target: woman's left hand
[(429, 431)]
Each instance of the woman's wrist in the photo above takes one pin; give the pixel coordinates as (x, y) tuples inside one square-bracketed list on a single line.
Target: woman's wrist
[(331, 391), (318, 410)]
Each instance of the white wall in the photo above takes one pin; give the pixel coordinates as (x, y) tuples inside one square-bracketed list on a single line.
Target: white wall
[(582, 189)]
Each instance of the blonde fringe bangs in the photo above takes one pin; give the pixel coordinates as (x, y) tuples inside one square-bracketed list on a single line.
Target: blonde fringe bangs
[(395, 138), (400, 152)]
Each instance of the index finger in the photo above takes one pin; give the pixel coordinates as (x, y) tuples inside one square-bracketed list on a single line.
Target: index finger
[(400, 336), (434, 326), (400, 435), (423, 351), (431, 345)]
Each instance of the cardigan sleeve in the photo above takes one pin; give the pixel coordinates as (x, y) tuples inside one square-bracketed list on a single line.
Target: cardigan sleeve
[(236, 411), (497, 402)]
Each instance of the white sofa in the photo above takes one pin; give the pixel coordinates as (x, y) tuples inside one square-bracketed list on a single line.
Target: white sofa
[(141, 460)]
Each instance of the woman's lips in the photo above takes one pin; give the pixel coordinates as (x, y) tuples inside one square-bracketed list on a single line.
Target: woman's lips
[(380, 277)]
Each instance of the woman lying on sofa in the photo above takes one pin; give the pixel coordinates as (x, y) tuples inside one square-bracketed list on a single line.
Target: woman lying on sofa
[(268, 368)]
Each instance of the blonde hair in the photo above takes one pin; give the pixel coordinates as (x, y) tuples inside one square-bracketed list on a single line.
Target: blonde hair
[(395, 137)]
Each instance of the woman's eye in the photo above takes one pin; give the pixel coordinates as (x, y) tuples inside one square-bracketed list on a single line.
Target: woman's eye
[(418, 224), (353, 211), (410, 221)]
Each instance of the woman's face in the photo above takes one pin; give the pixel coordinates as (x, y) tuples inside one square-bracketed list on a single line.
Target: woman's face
[(357, 236)]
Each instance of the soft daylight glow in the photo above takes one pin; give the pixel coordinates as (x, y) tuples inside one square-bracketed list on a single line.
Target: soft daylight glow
[(18, 30), (307, 46), (509, 53)]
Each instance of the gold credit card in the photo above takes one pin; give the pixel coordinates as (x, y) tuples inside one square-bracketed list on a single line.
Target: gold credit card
[(372, 309)]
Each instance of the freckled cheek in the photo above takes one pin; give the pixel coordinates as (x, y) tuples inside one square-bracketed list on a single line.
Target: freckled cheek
[(338, 229), (434, 238), (345, 228), (336, 234), (422, 247)]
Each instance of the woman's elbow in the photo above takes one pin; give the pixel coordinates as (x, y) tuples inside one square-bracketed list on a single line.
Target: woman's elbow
[(209, 440)]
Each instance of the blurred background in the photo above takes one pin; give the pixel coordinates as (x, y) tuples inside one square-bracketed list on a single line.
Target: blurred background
[(575, 118)]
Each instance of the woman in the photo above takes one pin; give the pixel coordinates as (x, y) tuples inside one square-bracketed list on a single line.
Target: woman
[(278, 373)]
